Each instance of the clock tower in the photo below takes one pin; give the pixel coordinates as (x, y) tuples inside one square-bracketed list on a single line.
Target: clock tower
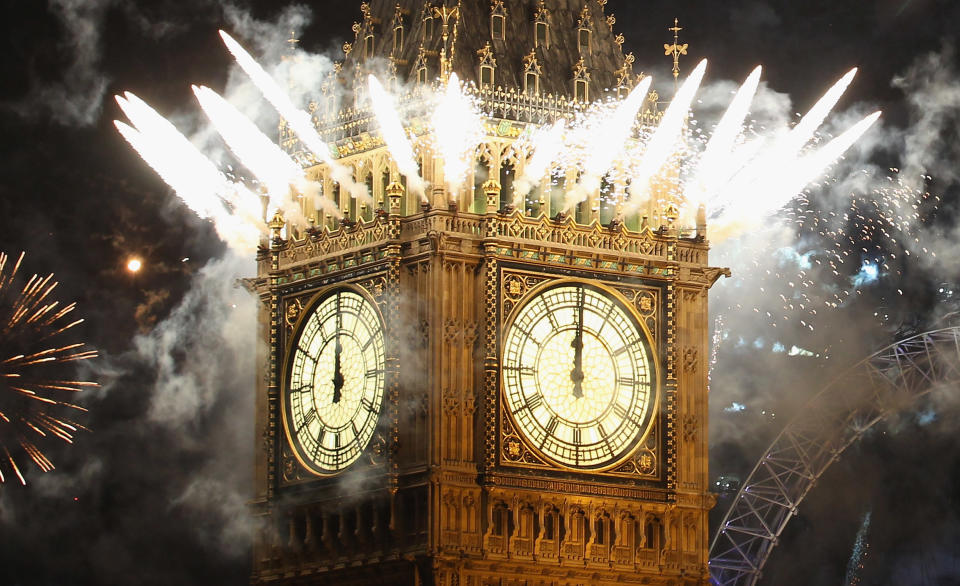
[(461, 391)]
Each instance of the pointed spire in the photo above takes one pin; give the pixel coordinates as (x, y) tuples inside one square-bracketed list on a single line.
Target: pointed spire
[(676, 49)]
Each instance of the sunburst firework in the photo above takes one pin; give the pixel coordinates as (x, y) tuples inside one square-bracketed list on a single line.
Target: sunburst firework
[(34, 394)]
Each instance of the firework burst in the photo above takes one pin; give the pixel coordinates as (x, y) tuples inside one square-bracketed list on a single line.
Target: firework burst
[(33, 393)]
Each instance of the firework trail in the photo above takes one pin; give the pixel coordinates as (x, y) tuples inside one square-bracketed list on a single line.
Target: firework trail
[(32, 390), (860, 547)]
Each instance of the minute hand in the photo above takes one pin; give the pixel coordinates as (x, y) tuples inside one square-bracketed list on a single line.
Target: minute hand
[(337, 351), (576, 375)]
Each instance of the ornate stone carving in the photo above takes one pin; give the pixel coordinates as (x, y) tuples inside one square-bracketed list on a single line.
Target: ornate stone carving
[(690, 359)]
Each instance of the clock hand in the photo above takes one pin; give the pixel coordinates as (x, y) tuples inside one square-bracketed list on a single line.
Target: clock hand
[(576, 375), (337, 351)]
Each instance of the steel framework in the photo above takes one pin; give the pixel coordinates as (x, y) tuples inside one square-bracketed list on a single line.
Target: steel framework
[(835, 418)]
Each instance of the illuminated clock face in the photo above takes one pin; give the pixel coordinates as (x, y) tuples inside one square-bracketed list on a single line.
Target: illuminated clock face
[(577, 376), (335, 385)]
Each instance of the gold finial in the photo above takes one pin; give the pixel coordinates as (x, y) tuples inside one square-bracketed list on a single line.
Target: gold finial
[(491, 188), (445, 13), (292, 42), (394, 194), (542, 12), (676, 49), (276, 225)]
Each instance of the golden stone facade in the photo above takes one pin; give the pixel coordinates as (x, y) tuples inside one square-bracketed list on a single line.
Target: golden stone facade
[(452, 488)]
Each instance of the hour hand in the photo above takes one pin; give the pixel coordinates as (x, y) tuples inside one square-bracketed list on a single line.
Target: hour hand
[(576, 375), (337, 374)]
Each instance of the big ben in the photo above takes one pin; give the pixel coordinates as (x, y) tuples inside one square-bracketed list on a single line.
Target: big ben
[(460, 390)]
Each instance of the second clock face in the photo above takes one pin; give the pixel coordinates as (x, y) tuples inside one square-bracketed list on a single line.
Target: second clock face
[(336, 382), (577, 376)]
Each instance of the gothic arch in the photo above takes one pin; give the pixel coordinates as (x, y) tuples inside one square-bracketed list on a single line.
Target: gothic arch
[(835, 418)]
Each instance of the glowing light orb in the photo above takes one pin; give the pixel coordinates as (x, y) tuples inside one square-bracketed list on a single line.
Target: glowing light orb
[(134, 265)]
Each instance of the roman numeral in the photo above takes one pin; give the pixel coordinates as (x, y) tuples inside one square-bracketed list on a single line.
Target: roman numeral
[(552, 425), (626, 381), (367, 343), (367, 404), (307, 354), (553, 320), (528, 370), (374, 372), (336, 441), (576, 435), (534, 402), (308, 419), (619, 411)]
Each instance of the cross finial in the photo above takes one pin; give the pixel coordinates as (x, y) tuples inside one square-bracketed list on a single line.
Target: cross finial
[(675, 50)]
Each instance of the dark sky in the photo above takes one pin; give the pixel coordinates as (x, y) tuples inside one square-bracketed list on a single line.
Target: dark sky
[(154, 493)]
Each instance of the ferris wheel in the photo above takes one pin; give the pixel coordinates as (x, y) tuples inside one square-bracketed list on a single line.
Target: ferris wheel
[(832, 420)]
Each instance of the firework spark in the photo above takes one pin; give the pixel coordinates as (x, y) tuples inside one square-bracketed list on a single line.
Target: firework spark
[(33, 391), (298, 120), (740, 182), (395, 137), (458, 130)]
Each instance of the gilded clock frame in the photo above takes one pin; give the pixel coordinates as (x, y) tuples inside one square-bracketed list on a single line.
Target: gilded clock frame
[(643, 300), (295, 309)]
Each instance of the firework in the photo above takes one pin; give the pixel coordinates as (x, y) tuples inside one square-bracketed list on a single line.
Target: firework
[(396, 138), (458, 130), (666, 171), (33, 392), (860, 547)]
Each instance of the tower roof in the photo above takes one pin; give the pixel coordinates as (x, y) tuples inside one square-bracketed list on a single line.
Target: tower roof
[(558, 40)]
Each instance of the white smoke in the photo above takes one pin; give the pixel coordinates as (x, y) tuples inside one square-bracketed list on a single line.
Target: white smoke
[(77, 98)]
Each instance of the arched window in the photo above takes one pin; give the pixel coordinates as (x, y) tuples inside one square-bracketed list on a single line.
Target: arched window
[(541, 28), (653, 534), (507, 176), (581, 82), (578, 529), (498, 20), (531, 74), (531, 83), (420, 66), (480, 175), (367, 213), (486, 76), (581, 90), (397, 26), (397, 40), (368, 46), (550, 524), (487, 66), (541, 37), (583, 41), (607, 203), (501, 520), (382, 197), (428, 26)]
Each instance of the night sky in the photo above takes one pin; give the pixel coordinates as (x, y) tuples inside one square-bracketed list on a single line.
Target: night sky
[(155, 493)]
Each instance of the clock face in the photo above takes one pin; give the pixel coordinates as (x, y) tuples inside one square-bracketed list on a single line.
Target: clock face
[(335, 385), (577, 376)]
